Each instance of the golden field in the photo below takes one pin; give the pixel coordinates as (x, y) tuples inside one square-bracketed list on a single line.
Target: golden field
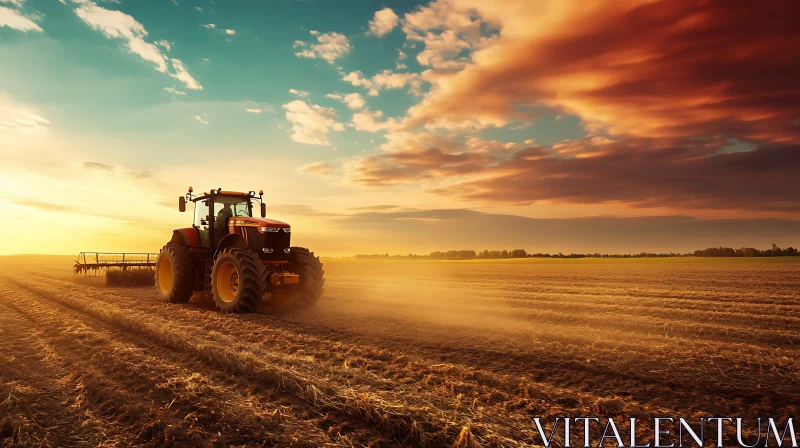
[(398, 353)]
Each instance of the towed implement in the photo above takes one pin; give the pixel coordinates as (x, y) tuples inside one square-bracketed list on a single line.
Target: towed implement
[(240, 259)]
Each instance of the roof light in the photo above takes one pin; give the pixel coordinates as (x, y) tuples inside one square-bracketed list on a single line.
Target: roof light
[(261, 192), (190, 189)]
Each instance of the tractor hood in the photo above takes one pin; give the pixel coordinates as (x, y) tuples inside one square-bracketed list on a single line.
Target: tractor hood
[(256, 222)]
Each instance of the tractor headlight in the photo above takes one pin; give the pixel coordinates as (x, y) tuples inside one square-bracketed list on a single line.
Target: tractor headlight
[(287, 250), (270, 229), (267, 250), (287, 229)]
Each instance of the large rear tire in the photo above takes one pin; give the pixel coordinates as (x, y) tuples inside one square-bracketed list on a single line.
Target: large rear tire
[(174, 274), (306, 294), (238, 281)]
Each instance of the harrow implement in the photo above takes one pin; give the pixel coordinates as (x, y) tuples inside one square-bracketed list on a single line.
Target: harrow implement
[(95, 261)]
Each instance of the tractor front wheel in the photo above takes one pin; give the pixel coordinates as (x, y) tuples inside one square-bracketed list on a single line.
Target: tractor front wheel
[(238, 280), (306, 293), (174, 270)]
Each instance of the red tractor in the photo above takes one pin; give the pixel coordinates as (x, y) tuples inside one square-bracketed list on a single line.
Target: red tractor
[(236, 257)]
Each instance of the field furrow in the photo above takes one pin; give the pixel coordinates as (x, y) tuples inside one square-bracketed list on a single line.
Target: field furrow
[(398, 354)]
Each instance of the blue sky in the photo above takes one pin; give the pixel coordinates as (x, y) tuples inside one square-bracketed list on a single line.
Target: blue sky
[(519, 108)]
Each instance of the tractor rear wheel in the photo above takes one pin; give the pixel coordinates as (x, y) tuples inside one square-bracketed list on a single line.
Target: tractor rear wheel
[(306, 293), (238, 280), (174, 274)]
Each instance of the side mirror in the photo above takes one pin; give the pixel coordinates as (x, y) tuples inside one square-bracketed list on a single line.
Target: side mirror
[(182, 204), (263, 210)]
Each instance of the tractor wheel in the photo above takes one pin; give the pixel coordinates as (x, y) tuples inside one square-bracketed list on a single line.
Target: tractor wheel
[(174, 274), (307, 293), (238, 280)]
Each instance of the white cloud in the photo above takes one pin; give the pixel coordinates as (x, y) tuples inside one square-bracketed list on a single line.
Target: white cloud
[(321, 168), (255, 111), (17, 3), (201, 119), (230, 32), (210, 26), (384, 21), (368, 121), (443, 50), (164, 44), (450, 31), (311, 124), (353, 100), (181, 74), (329, 46), (401, 66), (356, 78), (15, 20), (401, 54), (385, 80), (300, 93), (388, 80), (174, 91), (18, 119), (118, 25)]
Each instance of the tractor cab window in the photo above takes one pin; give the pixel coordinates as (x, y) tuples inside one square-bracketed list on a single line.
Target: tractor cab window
[(201, 213), (232, 206)]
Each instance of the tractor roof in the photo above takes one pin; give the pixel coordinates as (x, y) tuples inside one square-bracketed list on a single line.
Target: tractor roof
[(206, 195)]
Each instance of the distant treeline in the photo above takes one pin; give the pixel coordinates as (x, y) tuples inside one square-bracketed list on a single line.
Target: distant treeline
[(514, 253), (521, 253), (747, 252)]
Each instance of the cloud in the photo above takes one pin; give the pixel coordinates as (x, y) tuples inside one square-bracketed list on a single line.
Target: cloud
[(384, 21), (375, 208), (20, 120), (329, 46), (114, 169), (357, 79), (97, 166), (173, 91), (368, 121), (449, 32), (257, 108), (118, 25), (300, 93), (209, 25), (311, 124), (230, 32), (673, 69), (685, 174), (353, 100), (384, 80), (321, 168), (15, 20), (413, 157), (202, 120)]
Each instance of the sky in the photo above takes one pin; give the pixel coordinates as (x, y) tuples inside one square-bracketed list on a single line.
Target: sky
[(395, 126)]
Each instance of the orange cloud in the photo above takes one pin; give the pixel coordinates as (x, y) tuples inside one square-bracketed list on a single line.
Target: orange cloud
[(683, 174), (650, 69)]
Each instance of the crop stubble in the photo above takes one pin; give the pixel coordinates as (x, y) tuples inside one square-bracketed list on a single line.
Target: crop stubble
[(398, 353)]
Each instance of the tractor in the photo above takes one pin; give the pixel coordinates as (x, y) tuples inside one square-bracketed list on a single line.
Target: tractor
[(236, 257)]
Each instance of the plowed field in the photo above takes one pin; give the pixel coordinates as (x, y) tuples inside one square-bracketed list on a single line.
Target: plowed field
[(398, 353)]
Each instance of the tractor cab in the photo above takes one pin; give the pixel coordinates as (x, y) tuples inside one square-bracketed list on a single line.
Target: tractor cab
[(214, 210)]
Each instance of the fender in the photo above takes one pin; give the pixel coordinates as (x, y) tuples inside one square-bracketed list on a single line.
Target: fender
[(186, 237), (230, 240)]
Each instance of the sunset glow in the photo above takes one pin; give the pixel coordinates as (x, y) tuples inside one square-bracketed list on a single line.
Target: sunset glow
[(610, 126)]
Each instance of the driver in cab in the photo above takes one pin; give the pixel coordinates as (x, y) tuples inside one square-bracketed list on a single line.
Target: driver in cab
[(222, 218)]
